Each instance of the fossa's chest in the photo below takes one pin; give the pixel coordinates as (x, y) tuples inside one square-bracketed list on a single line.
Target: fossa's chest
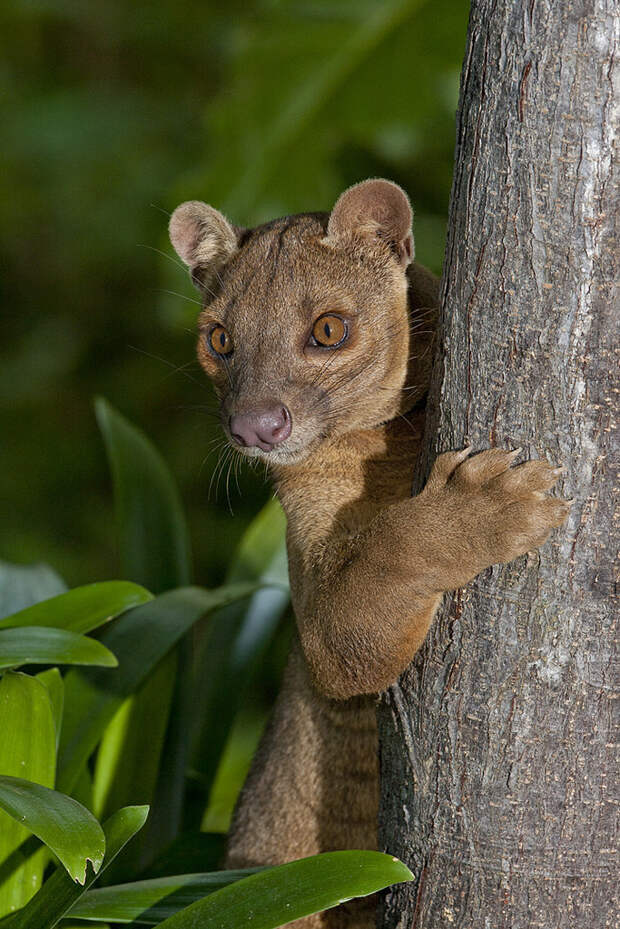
[(337, 495)]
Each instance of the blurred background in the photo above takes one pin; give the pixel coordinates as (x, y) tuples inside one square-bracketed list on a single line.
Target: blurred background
[(113, 113)]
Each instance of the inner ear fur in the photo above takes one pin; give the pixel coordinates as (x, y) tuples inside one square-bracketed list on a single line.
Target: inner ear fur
[(371, 209), (203, 238)]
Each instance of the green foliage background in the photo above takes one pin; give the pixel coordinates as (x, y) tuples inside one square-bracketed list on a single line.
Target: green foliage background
[(112, 113)]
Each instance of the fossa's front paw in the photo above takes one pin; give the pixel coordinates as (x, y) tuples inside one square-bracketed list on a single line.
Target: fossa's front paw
[(499, 511)]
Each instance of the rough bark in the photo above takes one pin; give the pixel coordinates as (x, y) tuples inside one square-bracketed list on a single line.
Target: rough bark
[(496, 745)]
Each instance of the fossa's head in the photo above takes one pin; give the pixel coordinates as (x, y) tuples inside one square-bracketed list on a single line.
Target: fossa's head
[(304, 330)]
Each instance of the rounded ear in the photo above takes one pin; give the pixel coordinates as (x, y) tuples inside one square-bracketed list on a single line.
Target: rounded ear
[(375, 208), (204, 239)]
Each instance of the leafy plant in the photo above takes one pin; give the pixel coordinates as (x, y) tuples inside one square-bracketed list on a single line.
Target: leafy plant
[(102, 733)]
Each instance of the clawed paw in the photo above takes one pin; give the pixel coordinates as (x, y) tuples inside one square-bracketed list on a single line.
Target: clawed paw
[(503, 510)]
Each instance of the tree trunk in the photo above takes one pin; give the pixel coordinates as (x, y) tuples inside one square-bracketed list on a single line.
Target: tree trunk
[(496, 745)]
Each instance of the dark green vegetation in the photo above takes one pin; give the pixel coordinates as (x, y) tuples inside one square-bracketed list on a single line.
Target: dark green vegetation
[(111, 115), (141, 723)]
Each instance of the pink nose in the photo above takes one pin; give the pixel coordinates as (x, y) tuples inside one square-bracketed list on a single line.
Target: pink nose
[(262, 428)]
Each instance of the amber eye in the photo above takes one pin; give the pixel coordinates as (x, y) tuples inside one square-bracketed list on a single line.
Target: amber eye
[(329, 330), (220, 341)]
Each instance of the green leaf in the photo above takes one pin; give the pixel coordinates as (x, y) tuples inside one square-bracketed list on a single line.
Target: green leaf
[(27, 749), (279, 895), (40, 645), (149, 902), (261, 558), (153, 535), (139, 639), (154, 544), (129, 754), (260, 552), (52, 679), (63, 824), (83, 789), (21, 585), (233, 768), (60, 893), (263, 897), (83, 608), (237, 637), (169, 801)]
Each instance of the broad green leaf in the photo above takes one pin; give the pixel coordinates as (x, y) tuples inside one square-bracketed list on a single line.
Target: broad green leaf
[(129, 754), (139, 639), (63, 824), (60, 893), (261, 558), (83, 789), (166, 820), (154, 543), (52, 679), (21, 586), (27, 749), (153, 536), (237, 637), (263, 898), (149, 902), (279, 895), (41, 645), (234, 766), (260, 551), (83, 608)]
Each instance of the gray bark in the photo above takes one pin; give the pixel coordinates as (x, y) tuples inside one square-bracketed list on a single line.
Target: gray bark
[(498, 784)]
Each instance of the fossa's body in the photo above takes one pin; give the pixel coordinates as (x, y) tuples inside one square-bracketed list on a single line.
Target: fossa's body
[(317, 332)]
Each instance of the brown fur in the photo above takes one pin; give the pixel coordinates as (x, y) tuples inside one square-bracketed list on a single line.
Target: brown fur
[(368, 563)]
